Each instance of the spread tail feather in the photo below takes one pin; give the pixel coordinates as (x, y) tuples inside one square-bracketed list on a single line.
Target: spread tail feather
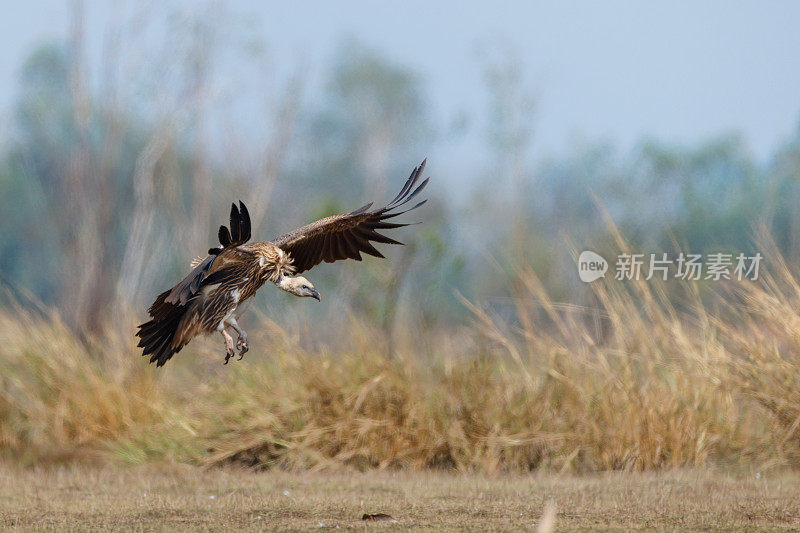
[(157, 336)]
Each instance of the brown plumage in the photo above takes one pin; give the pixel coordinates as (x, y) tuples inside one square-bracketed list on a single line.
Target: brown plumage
[(218, 289)]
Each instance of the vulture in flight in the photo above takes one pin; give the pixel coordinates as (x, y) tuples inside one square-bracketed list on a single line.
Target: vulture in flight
[(218, 290)]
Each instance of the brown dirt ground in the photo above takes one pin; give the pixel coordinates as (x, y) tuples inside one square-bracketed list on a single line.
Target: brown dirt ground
[(153, 498)]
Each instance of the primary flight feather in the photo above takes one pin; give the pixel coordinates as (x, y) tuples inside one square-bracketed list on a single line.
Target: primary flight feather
[(218, 289)]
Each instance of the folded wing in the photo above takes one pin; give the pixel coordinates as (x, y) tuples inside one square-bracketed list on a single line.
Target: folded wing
[(239, 233), (169, 330)]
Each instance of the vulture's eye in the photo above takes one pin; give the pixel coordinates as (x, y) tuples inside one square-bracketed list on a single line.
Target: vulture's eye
[(305, 286)]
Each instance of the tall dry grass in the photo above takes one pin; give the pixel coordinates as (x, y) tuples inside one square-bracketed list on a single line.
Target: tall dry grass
[(60, 396), (653, 376)]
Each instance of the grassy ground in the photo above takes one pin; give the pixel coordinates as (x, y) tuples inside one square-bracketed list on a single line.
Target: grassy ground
[(182, 497)]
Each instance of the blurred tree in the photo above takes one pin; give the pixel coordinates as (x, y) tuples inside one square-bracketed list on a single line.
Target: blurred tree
[(31, 174), (93, 179), (783, 198), (372, 123), (67, 167), (360, 143), (711, 195)]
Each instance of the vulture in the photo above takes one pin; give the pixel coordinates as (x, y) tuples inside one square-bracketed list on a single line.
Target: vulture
[(219, 288)]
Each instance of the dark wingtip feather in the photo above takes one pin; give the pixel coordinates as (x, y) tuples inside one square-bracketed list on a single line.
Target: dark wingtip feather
[(244, 224), (368, 249), (240, 228), (224, 237), (423, 202), (392, 215), (361, 209), (235, 226), (416, 191), (412, 179), (387, 225)]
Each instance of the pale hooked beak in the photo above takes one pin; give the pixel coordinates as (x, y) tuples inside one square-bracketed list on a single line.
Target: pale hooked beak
[(315, 295)]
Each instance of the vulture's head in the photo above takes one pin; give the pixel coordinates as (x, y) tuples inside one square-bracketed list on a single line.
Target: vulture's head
[(300, 286)]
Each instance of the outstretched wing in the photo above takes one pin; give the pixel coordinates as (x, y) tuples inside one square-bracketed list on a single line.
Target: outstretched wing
[(347, 236), (239, 233)]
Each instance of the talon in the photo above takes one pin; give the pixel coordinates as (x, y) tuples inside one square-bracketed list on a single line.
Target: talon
[(228, 346), (241, 344)]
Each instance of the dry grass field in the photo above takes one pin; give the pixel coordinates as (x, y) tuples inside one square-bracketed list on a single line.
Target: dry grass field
[(653, 410), (189, 498), (650, 380)]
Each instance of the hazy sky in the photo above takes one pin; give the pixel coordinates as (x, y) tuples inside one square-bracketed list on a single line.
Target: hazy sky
[(677, 71)]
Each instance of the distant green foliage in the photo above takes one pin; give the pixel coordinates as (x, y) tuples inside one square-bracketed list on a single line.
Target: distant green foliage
[(357, 142)]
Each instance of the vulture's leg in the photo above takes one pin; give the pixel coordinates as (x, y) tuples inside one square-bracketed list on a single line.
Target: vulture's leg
[(228, 345), (241, 342)]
